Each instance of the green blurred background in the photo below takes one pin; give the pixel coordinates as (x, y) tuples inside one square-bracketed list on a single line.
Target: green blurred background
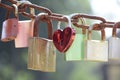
[(13, 62)]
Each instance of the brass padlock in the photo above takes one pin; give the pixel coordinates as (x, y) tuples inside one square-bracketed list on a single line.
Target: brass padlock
[(41, 51), (10, 27), (96, 50), (25, 31)]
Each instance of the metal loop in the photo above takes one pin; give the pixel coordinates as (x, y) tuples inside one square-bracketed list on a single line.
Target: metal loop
[(32, 10), (90, 17), (90, 32), (39, 18), (58, 25), (81, 18), (69, 20), (82, 21), (21, 2), (16, 10), (55, 16), (40, 8)]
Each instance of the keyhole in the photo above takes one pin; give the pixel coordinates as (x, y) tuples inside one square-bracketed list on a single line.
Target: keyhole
[(14, 25)]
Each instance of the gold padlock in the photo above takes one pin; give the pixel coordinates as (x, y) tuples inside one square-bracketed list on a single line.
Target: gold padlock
[(41, 51)]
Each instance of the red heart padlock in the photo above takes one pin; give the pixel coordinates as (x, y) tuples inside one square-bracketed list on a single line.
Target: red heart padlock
[(63, 39)]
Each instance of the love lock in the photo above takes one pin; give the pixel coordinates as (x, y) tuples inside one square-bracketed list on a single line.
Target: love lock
[(114, 44), (96, 50), (62, 39), (41, 51), (25, 31), (10, 27)]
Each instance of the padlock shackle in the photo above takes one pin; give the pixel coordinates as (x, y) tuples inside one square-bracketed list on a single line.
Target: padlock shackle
[(116, 25), (39, 18), (69, 23), (90, 32), (15, 10)]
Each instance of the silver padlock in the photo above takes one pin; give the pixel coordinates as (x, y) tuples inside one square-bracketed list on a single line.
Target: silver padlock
[(114, 44), (96, 50)]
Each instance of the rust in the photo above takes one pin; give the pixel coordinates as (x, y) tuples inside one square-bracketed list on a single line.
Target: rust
[(89, 17), (51, 17), (116, 25), (101, 26), (12, 1), (40, 8), (28, 15), (56, 14), (25, 5), (59, 17)]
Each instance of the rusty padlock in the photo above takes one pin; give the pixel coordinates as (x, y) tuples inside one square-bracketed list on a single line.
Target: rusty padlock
[(10, 27), (114, 44), (41, 51), (96, 50), (25, 31)]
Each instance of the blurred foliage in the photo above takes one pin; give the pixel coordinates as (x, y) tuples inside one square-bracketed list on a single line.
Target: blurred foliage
[(13, 62)]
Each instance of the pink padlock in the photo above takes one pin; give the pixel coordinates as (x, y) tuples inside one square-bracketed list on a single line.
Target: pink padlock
[(10, 27), (25, 31)]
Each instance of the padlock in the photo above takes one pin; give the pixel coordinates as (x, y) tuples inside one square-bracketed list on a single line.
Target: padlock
[(10, 27), (25, 31), (114, 44), (96, 50), (76, 50), (63, 39), (41, 51)]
